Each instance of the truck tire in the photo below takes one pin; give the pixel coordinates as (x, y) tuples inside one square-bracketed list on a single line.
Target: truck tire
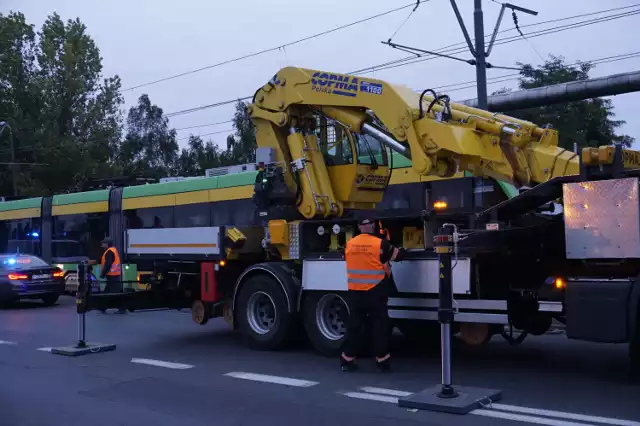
[(325, 316), (262, 315), (325, 320)]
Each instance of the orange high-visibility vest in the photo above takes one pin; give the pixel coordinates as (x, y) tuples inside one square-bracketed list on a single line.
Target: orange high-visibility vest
[(362, 256), (116, 267)]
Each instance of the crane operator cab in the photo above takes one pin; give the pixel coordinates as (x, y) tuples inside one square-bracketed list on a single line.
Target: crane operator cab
[(332, 169)]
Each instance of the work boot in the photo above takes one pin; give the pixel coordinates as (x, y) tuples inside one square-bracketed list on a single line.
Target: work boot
[(384, 366), (348, 365)]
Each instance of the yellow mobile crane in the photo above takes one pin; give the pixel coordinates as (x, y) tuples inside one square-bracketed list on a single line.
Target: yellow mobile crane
[(322, 154), (439, 136)]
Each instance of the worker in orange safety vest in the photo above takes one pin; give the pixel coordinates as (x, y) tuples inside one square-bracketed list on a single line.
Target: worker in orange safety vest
[(111, 269), (367, 259)]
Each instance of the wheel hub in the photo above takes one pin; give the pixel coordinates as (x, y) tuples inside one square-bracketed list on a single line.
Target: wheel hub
[(261, 312), (330, 316)]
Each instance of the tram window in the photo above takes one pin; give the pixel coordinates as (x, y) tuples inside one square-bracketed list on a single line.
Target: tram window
[(79, 235), (21, 235), (370, 150), (192, 215), (149, 218), (233, 212)]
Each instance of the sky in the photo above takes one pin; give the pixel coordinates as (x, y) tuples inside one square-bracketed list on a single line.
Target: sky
[(146, 40)]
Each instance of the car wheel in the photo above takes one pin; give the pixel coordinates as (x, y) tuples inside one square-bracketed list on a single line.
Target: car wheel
[(50, 299), (262, 314)]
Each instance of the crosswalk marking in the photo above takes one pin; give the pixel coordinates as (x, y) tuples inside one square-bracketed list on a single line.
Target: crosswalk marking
[(289, 381), (158, 363)]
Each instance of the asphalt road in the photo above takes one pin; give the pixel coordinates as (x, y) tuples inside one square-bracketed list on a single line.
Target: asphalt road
[(168, 371)]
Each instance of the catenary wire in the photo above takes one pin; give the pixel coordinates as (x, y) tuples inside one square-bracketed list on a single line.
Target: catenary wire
[(271, 49), (395, 64)]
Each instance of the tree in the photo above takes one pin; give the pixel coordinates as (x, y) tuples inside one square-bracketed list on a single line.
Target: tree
[(150, 147), (63, 113), (241, 147), (587, 123)]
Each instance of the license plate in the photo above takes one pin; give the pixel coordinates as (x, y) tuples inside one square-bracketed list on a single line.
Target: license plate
[(40, 277)]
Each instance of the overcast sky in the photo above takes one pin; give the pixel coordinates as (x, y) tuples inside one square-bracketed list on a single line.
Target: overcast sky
[(146, 40)]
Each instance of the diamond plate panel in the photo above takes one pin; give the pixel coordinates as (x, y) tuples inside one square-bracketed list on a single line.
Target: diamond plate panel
[(602, 219)]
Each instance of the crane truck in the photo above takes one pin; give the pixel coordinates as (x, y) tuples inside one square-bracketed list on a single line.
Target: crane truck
[(564, 246)]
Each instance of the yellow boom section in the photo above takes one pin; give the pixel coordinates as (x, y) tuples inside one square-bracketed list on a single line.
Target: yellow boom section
[(440, 137)]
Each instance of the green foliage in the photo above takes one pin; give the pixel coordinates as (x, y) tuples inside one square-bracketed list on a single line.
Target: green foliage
[(587, 123), (241, 147), (62, 113)]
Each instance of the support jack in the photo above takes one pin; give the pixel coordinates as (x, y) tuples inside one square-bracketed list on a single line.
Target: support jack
[(444, 397), (82, 347)]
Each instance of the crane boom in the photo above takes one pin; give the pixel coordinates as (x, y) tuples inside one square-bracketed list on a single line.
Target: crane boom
[(439, 136)]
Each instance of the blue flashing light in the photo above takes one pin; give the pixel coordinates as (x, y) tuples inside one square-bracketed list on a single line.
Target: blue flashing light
[(35, 234), (11, 261)]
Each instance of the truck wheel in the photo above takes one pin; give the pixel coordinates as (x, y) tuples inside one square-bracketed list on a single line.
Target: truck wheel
[(325, 320), (263, 318)]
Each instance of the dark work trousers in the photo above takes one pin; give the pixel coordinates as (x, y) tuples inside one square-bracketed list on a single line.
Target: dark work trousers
[(371, 305), (113, 284)]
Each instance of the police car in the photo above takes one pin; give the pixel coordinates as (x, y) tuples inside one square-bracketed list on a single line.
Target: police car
[(24, 276)]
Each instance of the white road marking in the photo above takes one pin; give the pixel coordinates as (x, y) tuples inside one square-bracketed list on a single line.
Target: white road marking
[(527, 419), (503, 411), (165, 364), (382, 391), (564, 415), (44, 349), (371, 397), (6, 342), (289, 381)]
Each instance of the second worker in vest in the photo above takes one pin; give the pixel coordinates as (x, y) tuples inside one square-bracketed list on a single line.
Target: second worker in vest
[(111, 269), (367, 258)]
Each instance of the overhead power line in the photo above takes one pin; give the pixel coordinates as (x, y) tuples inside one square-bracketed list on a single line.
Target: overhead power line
[(516, 76), (407, 61), (273, 49), (205, 125), (453, 87), (207, 134)]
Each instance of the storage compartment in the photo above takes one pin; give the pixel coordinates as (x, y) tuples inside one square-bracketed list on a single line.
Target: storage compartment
[(598, 310)]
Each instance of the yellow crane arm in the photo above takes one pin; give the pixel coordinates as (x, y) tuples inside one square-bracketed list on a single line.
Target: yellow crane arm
[(440, 137)]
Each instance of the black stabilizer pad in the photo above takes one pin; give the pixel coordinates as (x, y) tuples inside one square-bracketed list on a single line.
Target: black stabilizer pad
[(90, 348), (468, 399)]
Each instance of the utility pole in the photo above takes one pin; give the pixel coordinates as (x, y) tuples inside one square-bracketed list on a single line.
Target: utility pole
[(481, 57), (478, 52)]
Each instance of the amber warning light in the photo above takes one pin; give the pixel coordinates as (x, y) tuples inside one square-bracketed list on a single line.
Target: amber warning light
[(440, 205), (557, 282)]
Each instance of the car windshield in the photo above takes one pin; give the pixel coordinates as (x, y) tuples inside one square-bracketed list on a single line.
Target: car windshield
[(17, 261)]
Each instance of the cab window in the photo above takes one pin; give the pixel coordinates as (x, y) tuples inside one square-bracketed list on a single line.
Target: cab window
[(370, 151), (334, 144)]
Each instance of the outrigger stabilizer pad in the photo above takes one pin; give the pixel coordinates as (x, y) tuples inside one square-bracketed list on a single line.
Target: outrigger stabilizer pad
[(78, 350), (464, 401)]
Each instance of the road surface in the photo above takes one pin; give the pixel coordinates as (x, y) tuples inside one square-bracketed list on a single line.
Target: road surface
[(166, 370)]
